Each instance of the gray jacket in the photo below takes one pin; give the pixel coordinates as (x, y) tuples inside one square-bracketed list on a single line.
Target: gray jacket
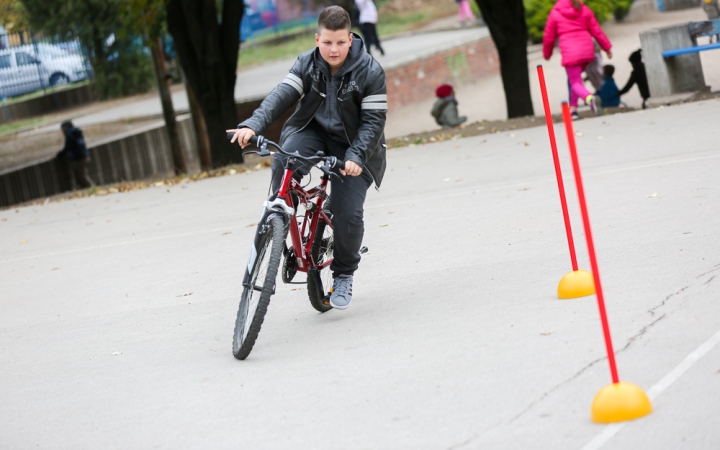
[(445, 112), (361, 99)]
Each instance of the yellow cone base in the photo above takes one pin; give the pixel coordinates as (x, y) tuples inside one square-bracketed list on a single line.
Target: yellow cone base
[(619, 402), (575, 284)]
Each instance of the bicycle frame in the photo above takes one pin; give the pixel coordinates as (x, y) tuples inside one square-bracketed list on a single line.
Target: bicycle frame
[(313, 214)]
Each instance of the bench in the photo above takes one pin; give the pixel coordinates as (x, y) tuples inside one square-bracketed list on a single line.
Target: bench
[(672, 60), (707, 28)]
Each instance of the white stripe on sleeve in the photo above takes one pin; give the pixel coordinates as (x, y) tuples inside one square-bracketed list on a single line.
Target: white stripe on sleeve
[(294, 81), (377, 106), (375, 98)]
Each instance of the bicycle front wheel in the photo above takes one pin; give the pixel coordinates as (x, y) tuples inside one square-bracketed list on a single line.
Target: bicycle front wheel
[(262, 271)]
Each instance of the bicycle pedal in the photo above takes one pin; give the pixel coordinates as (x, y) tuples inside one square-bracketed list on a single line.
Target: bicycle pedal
[(363, 250)]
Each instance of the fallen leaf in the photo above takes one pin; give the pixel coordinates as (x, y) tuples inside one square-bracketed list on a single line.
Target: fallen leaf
[(383, 225), (655, 194), (117, 353), (527, 144), (55, 268), (24, 241), (250, 225), (297, 289), (579, 133), (186, 295), (546, 334), (4, 219), (227, 232)]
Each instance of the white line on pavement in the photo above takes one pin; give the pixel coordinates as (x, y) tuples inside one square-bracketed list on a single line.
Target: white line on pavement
[(657, 389)]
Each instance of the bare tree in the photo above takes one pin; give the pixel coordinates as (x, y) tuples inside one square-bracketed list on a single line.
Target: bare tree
[(208, 46), (506, 21)]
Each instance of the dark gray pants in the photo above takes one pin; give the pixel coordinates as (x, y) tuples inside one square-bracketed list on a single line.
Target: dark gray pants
[(347, 197)]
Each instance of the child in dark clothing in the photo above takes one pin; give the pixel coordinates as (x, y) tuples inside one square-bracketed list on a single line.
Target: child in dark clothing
[(445, 109), (609, 93), (638, 76)]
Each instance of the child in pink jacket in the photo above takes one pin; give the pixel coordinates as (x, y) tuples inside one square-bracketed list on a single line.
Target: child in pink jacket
[(576, 26)]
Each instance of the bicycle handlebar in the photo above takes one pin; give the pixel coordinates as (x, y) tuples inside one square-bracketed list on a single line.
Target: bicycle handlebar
[(261, 141)]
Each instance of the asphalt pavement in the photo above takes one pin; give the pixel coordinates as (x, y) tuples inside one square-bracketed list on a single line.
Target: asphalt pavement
[(118, 311)]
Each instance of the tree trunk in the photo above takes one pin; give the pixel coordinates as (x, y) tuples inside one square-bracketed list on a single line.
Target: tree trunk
[(203, 143), (208, 53), (506, 21), (167, 106)]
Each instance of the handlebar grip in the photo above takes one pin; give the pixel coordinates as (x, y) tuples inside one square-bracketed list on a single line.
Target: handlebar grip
[(253, 139), (340, 164)]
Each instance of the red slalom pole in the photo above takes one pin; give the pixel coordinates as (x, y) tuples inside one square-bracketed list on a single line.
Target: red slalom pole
[(558, 171), (567, 118)]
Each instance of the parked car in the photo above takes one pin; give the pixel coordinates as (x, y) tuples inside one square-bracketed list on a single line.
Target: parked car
[(21, 72)]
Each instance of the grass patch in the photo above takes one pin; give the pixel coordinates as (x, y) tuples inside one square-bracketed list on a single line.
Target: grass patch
[(388, 24), (14, 126), (48, 91)]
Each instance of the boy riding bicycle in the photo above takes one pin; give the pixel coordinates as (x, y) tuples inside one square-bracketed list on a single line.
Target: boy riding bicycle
[(342, 109)]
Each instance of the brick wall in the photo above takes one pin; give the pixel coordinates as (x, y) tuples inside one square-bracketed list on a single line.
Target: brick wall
[(417, 80)]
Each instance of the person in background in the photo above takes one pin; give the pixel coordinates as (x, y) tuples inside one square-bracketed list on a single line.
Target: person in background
[(445, 110), (594, 69), (465, 12), (638, 76), (76, 150), (575, 25), (368, 20), (609, 93)]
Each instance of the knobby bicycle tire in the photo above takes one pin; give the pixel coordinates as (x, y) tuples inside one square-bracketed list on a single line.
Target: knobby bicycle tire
[(321, 251), (270, 250)]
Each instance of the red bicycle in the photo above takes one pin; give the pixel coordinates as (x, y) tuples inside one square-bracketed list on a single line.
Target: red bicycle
[(311, 235)]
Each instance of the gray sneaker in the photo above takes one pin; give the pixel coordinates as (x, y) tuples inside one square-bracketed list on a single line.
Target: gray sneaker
[(342, 292)]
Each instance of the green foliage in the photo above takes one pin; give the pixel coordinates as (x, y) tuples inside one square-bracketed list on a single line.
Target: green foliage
[(120, 61), (12, 15), (622, 8), (537, 11)]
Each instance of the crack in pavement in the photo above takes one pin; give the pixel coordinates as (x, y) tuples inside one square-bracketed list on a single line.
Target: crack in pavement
[(627, 345), (674, 294)]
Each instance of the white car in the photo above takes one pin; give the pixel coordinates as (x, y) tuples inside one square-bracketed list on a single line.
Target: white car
[(21, 72)]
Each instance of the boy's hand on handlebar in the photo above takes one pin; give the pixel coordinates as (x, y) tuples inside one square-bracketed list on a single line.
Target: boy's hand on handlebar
[(351, 168), (242, 136)]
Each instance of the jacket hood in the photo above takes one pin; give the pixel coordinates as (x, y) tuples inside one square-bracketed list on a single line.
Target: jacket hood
[(565, 7), (355, 56)]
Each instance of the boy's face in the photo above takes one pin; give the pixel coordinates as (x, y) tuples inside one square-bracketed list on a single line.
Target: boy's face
[(334, 46)]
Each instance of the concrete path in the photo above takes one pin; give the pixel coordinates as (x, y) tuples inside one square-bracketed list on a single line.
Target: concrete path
[(117, 311), (258, 81)]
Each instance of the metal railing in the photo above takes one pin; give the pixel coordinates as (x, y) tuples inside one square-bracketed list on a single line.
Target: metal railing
[(31, 62)]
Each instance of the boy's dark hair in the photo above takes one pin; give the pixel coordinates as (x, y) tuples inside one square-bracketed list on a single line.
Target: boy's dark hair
[(67, 124), (608, 70), (334, 18)]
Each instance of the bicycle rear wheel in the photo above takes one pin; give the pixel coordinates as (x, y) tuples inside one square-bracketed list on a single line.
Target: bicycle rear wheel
[(262, 272), (322, 252)]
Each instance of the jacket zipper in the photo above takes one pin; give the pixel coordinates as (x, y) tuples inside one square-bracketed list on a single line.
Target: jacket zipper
[(313, 115), (337, 94)]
